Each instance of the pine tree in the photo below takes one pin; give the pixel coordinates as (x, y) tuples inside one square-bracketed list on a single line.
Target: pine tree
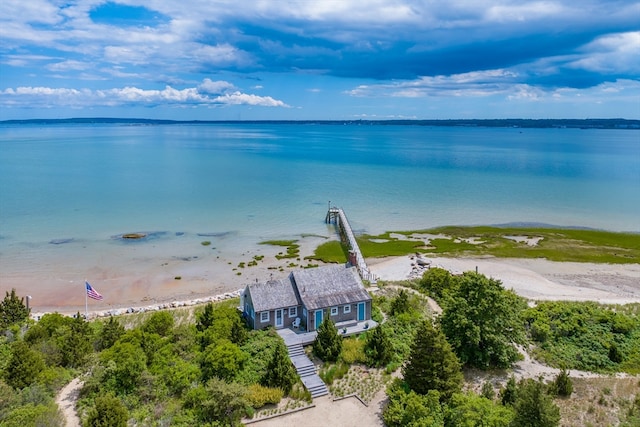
[(509, 392), (378, 348), (280, 372), (12, 310), (432, 365), (562, 385), (111, 332), (205, 319), (328, 343), (75, 343), (24, 366), (534, 407)]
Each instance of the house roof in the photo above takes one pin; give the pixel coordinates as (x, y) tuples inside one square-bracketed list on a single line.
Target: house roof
[(273, 294), (329, 286)]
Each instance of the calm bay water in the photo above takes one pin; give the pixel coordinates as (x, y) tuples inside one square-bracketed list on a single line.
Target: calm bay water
[(264, 181)]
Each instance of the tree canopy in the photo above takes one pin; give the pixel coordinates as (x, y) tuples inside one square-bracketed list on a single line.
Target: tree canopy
[(12, 310), (328, 343), (432, 365), (482, 321)]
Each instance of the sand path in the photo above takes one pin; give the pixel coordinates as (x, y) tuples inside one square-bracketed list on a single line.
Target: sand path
[(66, 401)]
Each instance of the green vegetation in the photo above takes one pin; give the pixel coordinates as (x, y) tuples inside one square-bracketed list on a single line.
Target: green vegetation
[(293, 249), (166, 369), (555, 244), (205, 243), (328, 344), (482, 322), (585, 336), (12, 310), (432, 365)]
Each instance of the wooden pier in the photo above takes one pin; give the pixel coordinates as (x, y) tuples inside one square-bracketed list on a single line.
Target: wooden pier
[(339, 218)]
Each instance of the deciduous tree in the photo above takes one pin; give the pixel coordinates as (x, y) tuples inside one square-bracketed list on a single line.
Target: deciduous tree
[(108, 411), (482, 322)]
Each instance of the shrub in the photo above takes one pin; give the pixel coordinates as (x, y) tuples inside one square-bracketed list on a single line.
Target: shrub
[(258, 395), (562, 385)]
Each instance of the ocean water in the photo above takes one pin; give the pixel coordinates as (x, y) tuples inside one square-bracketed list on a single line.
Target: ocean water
[(240, 184)]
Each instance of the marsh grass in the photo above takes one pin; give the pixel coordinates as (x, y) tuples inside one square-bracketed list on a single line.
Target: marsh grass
[(293, 249), (555, 244)]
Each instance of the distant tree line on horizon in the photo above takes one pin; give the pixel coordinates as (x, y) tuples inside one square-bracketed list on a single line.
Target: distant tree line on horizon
[(616, 123)]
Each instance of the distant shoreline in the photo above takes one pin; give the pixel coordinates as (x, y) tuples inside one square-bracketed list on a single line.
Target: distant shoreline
[(617, 123)]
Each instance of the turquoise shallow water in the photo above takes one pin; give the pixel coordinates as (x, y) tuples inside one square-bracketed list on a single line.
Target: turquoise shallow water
[(237, 185)]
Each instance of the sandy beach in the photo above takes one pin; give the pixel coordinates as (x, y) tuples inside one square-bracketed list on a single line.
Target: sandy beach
[(534, 279), (159, 273)]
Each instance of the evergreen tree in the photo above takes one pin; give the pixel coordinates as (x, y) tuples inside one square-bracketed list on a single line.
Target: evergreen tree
[(108, 412), (111, 332), (487, 391), (75, 343), (24, 367), (562, 385), (205, 318), (12, 310), (378, 348), (509, 392), (482, 322), (534, 407), (400, 304), (280, 372), (432, 365), (328, 343), (223, 402)]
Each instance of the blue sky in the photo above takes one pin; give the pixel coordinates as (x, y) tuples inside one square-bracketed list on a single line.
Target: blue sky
[(319, 59)]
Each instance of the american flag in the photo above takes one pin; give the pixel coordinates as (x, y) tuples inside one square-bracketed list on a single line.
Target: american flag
[(92, 293)]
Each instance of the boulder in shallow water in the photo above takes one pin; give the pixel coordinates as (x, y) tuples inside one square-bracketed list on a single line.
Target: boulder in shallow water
[(134, 236)]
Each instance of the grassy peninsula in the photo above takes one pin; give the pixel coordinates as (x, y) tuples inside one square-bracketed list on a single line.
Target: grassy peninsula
[(554, 244)]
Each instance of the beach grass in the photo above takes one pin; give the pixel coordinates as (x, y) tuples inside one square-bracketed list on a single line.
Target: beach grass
[(554, 244)]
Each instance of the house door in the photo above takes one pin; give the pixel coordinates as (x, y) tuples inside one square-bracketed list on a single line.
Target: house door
[(279, 318), (318, 318), (361, 311)]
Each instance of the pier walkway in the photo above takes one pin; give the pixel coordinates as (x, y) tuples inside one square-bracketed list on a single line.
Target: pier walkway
[(339, 218)]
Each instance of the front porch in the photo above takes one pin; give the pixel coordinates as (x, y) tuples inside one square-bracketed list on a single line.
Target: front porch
[(293, 337)]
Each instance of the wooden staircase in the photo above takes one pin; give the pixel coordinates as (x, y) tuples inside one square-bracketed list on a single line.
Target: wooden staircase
[(307, 371)]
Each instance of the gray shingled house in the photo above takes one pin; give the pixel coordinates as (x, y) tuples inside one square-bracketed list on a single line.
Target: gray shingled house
[(306, 298)]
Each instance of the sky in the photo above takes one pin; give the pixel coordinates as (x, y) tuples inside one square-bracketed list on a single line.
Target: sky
[(319, 59)]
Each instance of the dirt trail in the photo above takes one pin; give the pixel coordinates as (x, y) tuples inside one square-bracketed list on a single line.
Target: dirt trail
[(66, 401)]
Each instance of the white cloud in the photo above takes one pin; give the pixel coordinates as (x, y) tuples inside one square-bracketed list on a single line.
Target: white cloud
[(208, 93), (612, 53), (215, 88)]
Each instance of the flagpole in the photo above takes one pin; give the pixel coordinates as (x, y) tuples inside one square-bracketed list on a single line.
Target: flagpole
[(86, 303)]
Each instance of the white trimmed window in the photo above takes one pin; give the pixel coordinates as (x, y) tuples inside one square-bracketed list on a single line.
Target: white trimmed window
[(264, 316), (334, 311), (346, 309), (293, 311)]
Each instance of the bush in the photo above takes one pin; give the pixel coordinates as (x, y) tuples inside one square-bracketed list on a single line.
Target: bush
[(258, 395), (562, 385)]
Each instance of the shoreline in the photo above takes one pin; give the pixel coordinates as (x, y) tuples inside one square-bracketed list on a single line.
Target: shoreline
[(185, 271)]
